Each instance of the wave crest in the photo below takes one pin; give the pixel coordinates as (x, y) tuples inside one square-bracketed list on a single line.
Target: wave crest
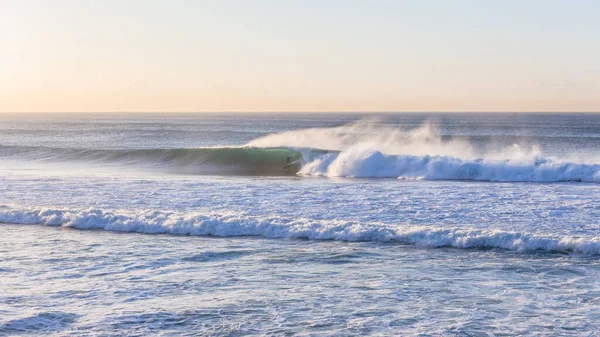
[(224, 225)]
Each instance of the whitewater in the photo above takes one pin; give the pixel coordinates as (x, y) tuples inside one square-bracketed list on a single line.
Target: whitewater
[(340, 224)]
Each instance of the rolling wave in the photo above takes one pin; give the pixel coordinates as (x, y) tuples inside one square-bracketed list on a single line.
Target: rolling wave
[(231, 225), (212, 160)]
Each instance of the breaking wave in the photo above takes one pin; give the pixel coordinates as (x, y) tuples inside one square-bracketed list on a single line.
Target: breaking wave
[(364, 149), (368, 149), (226, 225), (362, 163)]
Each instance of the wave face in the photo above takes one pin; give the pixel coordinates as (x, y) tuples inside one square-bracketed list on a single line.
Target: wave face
[(229, 225), (218, 160)]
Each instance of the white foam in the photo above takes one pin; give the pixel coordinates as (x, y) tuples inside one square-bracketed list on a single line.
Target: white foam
[(364, 162), (277, 227)]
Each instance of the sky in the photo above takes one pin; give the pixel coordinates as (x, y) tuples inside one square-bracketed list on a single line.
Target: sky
[(301, 56)]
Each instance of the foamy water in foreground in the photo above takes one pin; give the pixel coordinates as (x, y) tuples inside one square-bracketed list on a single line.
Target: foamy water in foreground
[(406, 225)]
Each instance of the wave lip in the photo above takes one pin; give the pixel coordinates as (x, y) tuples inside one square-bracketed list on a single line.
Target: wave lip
[(226, 225)]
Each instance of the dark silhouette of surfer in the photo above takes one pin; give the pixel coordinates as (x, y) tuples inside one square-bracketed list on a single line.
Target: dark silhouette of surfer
[(288, 160)]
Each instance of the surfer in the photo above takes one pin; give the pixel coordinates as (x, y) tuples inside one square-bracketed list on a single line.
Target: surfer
[(288, 160)]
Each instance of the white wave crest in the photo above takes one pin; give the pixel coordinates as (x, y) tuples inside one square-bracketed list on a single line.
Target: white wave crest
[(363, 162), (277, 227)]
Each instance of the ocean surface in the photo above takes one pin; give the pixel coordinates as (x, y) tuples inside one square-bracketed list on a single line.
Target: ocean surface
[(300, 225)]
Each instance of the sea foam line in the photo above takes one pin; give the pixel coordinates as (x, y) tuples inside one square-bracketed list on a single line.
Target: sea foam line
[(224, 225)]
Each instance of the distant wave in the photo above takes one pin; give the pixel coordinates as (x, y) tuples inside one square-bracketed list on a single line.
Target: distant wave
[(225, 225)]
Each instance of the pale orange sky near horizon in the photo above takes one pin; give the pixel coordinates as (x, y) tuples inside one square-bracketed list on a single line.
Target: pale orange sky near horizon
[(325, 56)]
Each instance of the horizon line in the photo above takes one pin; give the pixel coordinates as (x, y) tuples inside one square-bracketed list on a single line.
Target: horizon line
[(300, 112)]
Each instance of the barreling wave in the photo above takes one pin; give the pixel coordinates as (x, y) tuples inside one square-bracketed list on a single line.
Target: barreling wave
[(354, 162), (364, 149), (232, 225)]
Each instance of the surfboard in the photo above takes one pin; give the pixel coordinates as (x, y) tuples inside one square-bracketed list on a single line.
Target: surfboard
[(290, 165)]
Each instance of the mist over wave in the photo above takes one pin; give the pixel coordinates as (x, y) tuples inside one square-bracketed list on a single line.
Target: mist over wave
[(225, 225), (369, 149), (372, 134)]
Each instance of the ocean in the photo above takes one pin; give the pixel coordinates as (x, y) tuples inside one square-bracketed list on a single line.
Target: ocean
[(300, 224)]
